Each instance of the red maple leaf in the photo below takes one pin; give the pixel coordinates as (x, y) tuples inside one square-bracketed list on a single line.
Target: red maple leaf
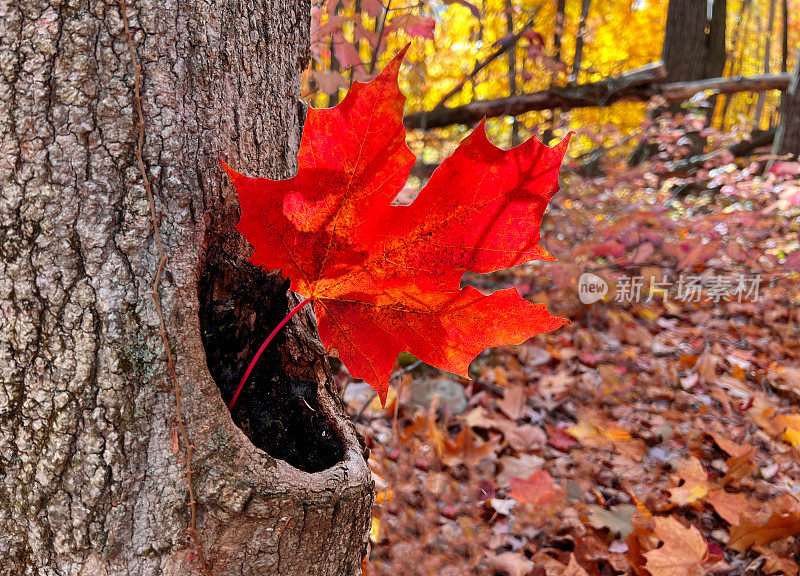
[(384, 278)]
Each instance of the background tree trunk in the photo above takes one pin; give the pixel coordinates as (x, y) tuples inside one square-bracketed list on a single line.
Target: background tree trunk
[(512, 71), (787, 139), (694, 49), (694, 45), (762, 96), (89, 483), (577, 60)]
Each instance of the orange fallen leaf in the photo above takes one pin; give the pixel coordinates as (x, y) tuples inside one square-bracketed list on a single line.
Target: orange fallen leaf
[(640, 540), (526, 438), (551, 385), (464, 449), (513, 402), (512, 564), (682, 552), (774, 563), (573, 568), (739, 467), (752, 533), (729, 506), (729, 447), (694, 482)]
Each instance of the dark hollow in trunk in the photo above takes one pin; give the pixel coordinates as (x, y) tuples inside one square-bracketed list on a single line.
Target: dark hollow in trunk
[(279, 413)]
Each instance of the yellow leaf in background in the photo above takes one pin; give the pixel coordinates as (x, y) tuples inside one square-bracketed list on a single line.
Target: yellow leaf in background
[(792, 436), (384, 496), (581, 430), (648, 314), (791, 425), (374, 531)]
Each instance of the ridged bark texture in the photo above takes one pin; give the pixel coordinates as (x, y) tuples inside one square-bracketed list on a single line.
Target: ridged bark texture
[(89, 484)]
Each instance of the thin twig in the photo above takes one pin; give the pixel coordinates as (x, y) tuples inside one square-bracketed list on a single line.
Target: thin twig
[(511, 43), (162, 261), (381, 29)]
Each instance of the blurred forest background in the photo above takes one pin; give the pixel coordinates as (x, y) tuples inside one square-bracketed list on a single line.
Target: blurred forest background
[(464, 52), (658, 434)]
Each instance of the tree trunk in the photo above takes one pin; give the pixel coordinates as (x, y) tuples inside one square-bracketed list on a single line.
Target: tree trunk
[(787, 139), (90, 483), (578, 58), (692, 40), (558, 29), (784, 35), (694, 49), (512, 71), (762, 96)]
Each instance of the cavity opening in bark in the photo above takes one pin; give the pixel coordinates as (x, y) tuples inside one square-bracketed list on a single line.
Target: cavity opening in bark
[(239, 306)]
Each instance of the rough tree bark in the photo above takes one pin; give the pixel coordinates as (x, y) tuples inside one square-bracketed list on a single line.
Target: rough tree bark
[(89, 483)]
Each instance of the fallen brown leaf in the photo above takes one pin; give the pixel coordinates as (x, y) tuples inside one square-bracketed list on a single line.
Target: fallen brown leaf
[(751, 533), (729, 506), (682, 552)]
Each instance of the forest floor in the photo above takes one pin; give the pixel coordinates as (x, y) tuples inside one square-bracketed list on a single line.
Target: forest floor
[(657, 434)]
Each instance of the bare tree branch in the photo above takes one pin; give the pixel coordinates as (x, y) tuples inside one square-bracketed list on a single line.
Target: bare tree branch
[(504, 47), (638, 85)]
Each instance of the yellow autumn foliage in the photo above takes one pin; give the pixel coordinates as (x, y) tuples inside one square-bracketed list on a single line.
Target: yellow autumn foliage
[(619, 35)]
